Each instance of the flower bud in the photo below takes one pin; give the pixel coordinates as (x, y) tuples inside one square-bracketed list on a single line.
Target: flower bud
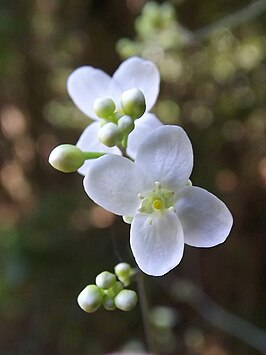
[(109, 302), (124, 272), (126, 124), (90, 299), (110, 134), (104, 107), (67, 158), (126, 300), (105, 280), (133, 103)]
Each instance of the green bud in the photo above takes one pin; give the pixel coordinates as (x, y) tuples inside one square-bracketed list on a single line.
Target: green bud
[(133, 103), (104, 107), (110, 134), (124, 272), (126, 300), (109, 302), (105, 280), (126, 124), (90, 299), (66, 158)]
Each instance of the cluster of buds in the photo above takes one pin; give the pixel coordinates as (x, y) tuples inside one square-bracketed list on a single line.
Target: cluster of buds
[(109, 291), (115, 126)]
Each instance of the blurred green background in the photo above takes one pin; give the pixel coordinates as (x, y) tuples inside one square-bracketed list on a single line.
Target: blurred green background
[(54, 240)]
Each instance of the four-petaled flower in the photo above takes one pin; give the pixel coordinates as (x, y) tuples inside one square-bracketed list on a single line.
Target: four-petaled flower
[(155, 190), (86, 84)]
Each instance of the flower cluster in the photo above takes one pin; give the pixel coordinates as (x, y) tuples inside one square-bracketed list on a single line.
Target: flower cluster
[(109, 292), (113, 103), (150, 185)]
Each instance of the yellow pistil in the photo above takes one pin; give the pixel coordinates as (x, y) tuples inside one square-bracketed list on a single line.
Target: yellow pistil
[(157, 200), (157, 204)]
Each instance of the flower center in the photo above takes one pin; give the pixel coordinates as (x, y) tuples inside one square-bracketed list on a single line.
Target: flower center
[(157, 200), (157, 204)]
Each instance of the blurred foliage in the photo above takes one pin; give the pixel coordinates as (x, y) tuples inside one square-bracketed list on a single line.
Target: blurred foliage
[(53, 240)]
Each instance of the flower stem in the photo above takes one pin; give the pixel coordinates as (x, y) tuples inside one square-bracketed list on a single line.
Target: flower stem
[(93, 155), (145, 314)]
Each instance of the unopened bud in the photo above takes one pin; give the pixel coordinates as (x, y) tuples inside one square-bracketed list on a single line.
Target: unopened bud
[(90, 299), (104, 107), (126, 124), (124, 272), (109, 302), (105, 280), (126, 300), (66, 158), (110, 134), (133, 103)]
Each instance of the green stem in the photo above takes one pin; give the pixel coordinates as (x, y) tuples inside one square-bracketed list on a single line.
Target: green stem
[(93, 155), (124, 141), (145, 314)]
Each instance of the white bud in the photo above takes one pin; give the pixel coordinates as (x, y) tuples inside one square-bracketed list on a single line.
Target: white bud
[(66, 158), (105, 280), (90, 299), (126, 300), (124, 272), (109, 303), (104, 107), (133, 103), (126, 124), (110, 134)]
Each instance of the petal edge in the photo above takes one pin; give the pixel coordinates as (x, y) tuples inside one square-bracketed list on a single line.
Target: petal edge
[(205, 219)]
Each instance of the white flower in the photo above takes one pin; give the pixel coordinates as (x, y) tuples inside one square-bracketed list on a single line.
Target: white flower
[(86, 84), (155, 190)]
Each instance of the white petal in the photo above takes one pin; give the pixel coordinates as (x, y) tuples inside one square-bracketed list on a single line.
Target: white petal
[(140, 74), (157, 242), (143, 126), (86, 84), (205, 219), (89, 142), (166, 154), (114, 183)]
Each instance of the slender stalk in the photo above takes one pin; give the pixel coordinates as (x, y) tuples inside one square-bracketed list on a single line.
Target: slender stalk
[(142, 296), (93, 155), (231, 21), (145, 314)]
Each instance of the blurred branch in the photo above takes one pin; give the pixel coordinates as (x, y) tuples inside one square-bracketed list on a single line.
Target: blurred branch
[(231, 21), (185, 291)]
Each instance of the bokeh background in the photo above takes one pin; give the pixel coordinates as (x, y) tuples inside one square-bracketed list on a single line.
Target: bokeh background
[(54, 240)]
